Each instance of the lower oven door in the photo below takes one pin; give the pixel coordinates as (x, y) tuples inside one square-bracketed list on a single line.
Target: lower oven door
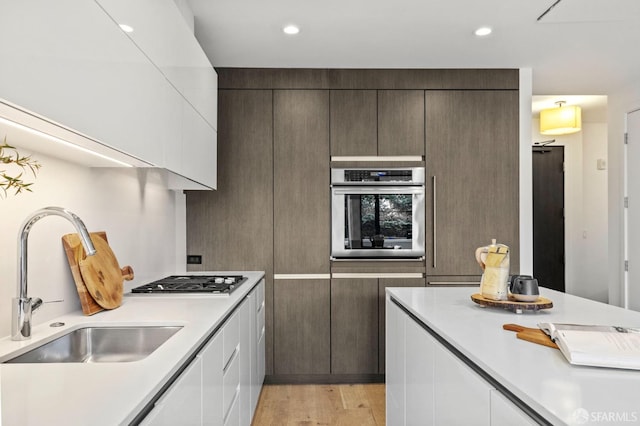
[(377, 222)]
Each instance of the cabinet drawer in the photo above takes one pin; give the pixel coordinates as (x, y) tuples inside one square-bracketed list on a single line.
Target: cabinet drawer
[(260, 295), (181, 404), (233, 416), (260, 322), (231, 337), (231, 382)]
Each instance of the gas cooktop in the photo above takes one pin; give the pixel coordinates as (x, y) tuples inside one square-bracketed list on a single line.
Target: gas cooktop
[(211, 284)]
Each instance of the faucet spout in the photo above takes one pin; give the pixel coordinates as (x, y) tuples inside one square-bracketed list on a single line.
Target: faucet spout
[(23, 305)]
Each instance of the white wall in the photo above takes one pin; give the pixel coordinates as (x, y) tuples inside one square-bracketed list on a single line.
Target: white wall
[(594, 256), (144, 223), (526, 179), (619, 103), (586, 241)]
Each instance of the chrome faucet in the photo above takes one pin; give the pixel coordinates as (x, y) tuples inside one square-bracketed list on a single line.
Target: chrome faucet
[(23, 305)]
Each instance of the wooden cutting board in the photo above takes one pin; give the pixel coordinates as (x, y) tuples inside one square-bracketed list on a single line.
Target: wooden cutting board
[(98, 278), (534, 335)]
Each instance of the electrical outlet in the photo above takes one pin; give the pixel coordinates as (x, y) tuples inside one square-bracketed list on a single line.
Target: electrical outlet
[(194, 259)]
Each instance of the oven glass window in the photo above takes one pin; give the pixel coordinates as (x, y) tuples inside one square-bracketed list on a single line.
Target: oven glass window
[(378, 221)]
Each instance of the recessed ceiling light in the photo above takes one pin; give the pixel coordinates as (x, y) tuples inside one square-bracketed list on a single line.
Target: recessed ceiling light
[(126, 28), (291, 29), (483, 31)]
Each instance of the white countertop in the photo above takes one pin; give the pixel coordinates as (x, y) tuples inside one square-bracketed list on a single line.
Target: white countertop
[(540, 376), (110, 393)]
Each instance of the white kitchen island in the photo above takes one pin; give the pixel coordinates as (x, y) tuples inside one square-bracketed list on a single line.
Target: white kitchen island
[(172, 379), (450, 362)]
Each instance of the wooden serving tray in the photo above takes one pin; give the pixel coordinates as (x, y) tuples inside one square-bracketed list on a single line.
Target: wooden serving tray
[(513, 305)]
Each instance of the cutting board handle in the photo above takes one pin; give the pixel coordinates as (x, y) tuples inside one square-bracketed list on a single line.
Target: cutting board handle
[(127, 272)]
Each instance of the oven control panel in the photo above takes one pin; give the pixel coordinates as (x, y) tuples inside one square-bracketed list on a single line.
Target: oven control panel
[(377, 175), (410, 176)]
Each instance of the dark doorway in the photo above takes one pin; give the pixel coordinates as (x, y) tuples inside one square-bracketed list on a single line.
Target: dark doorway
[(548, 216)]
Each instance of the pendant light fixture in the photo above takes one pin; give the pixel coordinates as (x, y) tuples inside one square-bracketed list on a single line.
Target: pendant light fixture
[(562, 120)]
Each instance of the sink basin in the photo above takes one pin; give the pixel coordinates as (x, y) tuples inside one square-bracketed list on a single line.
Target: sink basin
[(100, 344)]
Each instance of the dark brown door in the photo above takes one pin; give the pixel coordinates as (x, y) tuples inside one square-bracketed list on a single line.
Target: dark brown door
[(472, 188), (354, 326), (302, 342), (301, 215), (548, 216), (400, 122), (353, 122)]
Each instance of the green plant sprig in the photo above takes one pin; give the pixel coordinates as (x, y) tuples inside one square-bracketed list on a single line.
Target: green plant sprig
[(12, 182)]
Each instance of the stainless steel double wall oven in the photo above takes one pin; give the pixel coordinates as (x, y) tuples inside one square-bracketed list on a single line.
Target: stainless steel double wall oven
[(378, 213)]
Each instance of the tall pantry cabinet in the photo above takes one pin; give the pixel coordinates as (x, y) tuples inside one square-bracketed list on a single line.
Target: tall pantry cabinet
[(301, 229), (472, 178), (232, 228)]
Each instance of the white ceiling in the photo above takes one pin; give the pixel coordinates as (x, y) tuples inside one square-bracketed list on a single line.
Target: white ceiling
[(579, 47)]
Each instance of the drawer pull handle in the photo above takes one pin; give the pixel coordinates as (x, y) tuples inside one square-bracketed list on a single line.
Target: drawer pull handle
[(231, 358)]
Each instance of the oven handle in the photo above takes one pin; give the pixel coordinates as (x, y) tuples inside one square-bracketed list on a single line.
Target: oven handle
[(435, 210), (347, 190)]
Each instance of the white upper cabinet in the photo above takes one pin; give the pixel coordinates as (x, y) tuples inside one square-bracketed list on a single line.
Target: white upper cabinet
[(64, 60), (69, 62), (162, 33)]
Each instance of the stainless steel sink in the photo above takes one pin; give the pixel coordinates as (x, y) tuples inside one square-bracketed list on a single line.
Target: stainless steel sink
[(100, 344)]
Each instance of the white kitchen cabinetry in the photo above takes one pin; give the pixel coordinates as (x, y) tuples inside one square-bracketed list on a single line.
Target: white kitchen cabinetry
[(395, 365), (504, 413), (221, 386), (456, 385), (160, 31), (246, 356), (252, 352), (420, 385), (182, 403), (163, 34), (427, 384), (258, 352), (212, 383), (231, 365), (199, 154), (72, 64)]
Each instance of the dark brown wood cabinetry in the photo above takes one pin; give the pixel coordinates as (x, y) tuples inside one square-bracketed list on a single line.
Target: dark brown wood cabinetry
[(400, 122), (354, 326), (472, 159), (301, 231), (232, 228), (377, 122), (354, 123), (301, 181), (277, 131), (301, 322), (357, 324)]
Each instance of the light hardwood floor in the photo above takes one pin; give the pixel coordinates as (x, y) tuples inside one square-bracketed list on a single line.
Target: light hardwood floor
[(344, 405)]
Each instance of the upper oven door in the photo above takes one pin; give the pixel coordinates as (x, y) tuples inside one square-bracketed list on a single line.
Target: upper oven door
[(377, 222)]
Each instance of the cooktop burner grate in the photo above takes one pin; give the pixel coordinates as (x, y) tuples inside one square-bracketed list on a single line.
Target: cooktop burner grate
[(212, 284)]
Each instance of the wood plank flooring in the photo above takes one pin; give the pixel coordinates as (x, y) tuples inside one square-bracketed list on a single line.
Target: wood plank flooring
[(343, 405)]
